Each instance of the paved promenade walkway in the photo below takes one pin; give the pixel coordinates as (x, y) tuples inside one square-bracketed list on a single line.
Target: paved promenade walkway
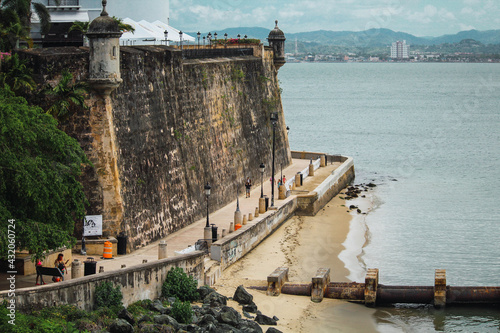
[(187, 236)]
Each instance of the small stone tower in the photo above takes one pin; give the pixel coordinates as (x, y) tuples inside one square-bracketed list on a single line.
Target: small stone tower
[(276, 40), (104, 36)]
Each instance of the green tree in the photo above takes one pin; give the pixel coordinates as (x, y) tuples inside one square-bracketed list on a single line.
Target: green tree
[(39, 170), (16, 75), (11, 30), (24, 8), (66, 95), (83, 27)]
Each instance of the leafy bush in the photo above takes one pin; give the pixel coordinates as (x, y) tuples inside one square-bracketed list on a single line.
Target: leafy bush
[(107, 296), (65, 312), (180, 285), (182, 312), (140, 308)]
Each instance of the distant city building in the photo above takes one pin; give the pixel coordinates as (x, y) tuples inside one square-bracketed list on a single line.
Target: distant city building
[(400, 50)]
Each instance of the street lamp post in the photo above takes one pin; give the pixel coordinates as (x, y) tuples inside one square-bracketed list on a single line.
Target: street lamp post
[(198, 34), (207, 193), (180, 38), (274, 121), (165, 33), (262, 167)]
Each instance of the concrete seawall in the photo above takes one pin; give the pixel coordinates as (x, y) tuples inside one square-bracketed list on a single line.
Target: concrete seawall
[(236, 245), (136, 282)]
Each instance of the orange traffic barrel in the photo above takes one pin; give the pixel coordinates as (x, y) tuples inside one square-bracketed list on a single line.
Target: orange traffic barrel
[(237, 226), (108, 250)]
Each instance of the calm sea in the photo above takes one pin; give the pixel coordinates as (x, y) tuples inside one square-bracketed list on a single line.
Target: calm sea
[(429, 136)]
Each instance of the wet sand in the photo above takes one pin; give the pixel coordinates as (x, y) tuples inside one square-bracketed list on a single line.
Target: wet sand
[(303, 244)]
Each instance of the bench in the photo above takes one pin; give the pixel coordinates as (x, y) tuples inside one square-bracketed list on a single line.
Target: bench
[(51, 271)]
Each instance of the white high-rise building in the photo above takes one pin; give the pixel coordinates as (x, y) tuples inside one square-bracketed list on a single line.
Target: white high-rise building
[(400, 50)]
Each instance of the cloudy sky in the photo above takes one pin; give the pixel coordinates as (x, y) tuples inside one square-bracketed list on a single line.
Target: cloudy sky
[(418, 17)]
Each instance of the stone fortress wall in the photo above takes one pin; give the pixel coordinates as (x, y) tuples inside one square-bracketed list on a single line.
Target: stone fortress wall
[(170, 127)]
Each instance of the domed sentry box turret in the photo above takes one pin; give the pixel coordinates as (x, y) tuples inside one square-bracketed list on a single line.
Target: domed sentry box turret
[(104, 36), (276, 40)]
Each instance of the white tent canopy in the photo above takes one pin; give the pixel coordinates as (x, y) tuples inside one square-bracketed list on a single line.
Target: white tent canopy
[(147, 33)]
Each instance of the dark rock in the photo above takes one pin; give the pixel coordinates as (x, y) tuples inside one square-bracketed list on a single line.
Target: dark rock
[(225, 328), (371, 185), (252, 308), (145, 318), (155, 328), (276, 318), (353, 207), (166, 320), (249, 326), (242, 296), (265, 320), (158, 307), (246, 314), (124, 314), (229, 316), (204, 291), (207, 320), (273, 330), (121, 326), (215, 299), (192, 328), (358, 210), (394, 180)]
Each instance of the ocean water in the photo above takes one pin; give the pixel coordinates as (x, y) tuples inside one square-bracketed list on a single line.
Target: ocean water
[(429, 136)]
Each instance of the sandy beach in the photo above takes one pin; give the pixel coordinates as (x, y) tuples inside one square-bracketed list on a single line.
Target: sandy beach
[(303, 244)]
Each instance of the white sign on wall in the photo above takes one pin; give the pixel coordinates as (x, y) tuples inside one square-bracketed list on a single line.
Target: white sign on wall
[(92, 225)]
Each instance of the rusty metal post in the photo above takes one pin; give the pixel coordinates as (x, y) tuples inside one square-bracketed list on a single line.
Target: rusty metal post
[(371, 284), (319, 284), (276, 280), (440, 288)]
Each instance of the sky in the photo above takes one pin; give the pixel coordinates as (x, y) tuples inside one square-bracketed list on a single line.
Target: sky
[(417, 17)]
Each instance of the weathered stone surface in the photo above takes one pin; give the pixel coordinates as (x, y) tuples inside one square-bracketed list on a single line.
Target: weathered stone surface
[(273, 330), (249, 326), (252, 308), (157, 306), (166, 320), (154, 141), (121, 326), (144, 318), (242, 296), (124, 314), (229, 316), (215, 299), (265, 320), (203, 291)]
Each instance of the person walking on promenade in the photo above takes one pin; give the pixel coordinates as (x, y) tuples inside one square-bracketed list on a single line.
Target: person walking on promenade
[(248, 186), (38, 275)]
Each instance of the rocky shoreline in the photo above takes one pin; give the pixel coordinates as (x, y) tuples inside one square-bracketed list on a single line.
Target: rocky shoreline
[(212, 315)]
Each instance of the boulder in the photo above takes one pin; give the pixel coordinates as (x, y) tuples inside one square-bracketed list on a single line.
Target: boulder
[(252, 308), (144, 318), (157, 306), (124, 314), (265, 320), (229, 316), (206, 320), (273, 330), (155, 328), (204, 291), (249, 326), (242, 296), (166, 320), (121, 326), (215, 299)]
